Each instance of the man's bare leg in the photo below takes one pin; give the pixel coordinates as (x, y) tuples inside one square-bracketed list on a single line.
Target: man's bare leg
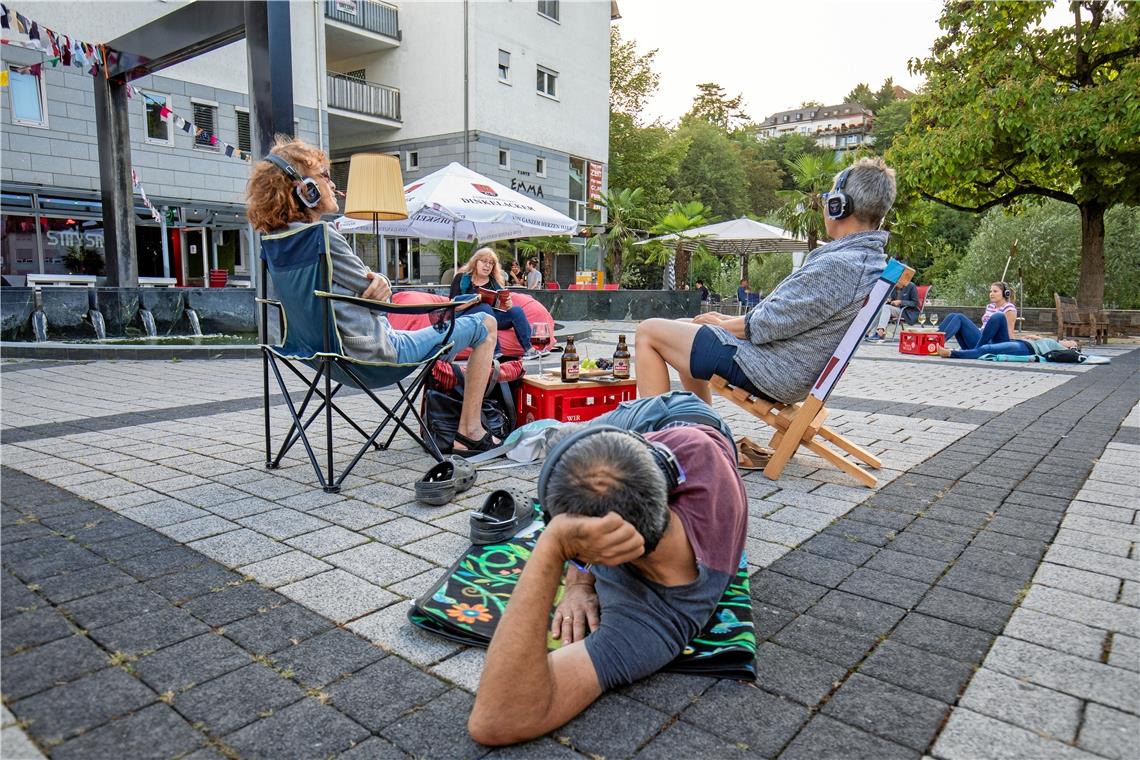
[(664, 343), (478, 372)]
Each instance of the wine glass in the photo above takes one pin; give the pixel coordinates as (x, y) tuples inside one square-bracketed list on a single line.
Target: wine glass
[(922, 320), (540, 339), (934, 320)]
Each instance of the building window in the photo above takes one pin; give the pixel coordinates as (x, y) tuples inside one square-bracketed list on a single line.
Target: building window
[(547, 82), (244, 137), (504, 67), (205, 119), (157, 126), (411, 160), (26, 98), (504, 158), (548, 8), (540, 166)]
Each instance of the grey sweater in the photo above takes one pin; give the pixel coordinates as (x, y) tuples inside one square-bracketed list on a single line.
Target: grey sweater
[(792, 333)]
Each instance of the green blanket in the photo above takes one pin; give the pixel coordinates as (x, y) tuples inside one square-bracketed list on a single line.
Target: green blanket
[(468, 601)]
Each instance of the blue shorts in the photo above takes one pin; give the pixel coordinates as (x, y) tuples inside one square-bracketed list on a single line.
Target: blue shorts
[(414, 346), (711, 357)]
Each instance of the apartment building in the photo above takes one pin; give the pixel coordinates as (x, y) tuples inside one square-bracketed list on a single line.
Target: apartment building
[(515, 90), (842, 127)]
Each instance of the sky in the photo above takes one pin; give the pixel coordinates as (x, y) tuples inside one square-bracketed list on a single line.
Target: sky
[(780, 53)]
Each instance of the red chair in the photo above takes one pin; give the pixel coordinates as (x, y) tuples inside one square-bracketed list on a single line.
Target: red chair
[(613, 286), (575, 286), (922, 291), (553, 286)]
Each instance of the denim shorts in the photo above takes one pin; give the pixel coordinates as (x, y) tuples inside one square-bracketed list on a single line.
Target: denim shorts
[(414, 345), (711, 357)]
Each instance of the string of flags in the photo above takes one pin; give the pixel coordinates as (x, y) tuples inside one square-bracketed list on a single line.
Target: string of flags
[(66, 51), (137, 184)]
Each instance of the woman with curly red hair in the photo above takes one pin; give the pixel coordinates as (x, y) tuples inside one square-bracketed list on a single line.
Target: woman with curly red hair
[(292, 188)]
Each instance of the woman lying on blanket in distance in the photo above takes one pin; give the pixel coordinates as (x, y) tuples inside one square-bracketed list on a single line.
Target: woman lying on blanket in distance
[(1031, 345), (998, 323)]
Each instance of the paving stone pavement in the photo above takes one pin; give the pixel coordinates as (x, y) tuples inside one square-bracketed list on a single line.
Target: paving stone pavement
[(163, 594)]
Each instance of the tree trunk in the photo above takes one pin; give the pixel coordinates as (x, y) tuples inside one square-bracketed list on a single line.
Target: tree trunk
[(616, 266), (744, 267), (812, 240), (547, 265), (682, 267), (1091, 290)]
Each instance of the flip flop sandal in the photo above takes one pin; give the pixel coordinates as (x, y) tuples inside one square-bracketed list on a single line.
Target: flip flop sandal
[(486, 443), (440, 484), (503, 514)]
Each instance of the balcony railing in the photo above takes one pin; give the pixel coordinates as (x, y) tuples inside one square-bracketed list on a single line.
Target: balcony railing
[(365, 14), (356, 95)]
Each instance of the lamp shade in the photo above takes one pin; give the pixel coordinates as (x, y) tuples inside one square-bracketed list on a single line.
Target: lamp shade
[(375, 188)]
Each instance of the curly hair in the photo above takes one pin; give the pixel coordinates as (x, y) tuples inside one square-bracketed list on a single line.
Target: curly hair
[(271, 204), (497, 274)]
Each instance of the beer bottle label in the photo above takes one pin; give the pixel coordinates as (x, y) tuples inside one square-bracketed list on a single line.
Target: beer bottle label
[(621, 367), (571, 368)]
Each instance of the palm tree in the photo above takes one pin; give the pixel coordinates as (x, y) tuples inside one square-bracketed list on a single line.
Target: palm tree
[(624, 216), (677, 220), (537, 246), (802, 212)]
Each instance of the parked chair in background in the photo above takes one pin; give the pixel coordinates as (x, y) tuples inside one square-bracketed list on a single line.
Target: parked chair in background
[(1073, 320), (923, 290)]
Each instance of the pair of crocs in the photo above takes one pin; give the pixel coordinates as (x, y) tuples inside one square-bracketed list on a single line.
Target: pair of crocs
[(505, 512), (443, 481)]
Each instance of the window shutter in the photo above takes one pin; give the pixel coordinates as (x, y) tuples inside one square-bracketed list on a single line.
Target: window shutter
[(244, 140), (205, 118)]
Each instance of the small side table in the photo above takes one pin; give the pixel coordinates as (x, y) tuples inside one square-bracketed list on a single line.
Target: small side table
[(921, 343), (547, 397)]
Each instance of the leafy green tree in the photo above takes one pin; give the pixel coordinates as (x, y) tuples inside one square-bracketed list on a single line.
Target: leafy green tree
[(681, 218), (632, 78), (1012, 113), (783, 150), (802, 209), (625, 217), (545, 249), (768, 270), (1047, 238), (888, 123), (872, 100), (715, 107), (712, 170)]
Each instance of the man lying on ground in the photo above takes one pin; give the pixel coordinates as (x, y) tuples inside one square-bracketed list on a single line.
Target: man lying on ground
[(658, 523), (778, 349)]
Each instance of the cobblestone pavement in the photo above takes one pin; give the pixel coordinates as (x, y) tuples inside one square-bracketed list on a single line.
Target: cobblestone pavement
[(164, 595)]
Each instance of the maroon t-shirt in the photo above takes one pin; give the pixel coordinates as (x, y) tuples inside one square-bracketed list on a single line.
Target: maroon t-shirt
[(645, 625)]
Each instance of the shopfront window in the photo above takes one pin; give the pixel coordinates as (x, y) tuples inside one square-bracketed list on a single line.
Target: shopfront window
[(18, 246), (73, 246)]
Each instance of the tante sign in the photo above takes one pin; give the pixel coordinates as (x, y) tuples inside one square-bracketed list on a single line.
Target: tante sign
[(593, 183)]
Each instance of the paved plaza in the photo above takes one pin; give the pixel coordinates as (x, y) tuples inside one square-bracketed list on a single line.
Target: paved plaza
[(164, 595)]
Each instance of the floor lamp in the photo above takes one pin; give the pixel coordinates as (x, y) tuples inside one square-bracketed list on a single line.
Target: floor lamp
[(376, 193)]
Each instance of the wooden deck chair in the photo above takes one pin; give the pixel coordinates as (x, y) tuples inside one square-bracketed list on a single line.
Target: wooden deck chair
[(801, 424), (299, 262)]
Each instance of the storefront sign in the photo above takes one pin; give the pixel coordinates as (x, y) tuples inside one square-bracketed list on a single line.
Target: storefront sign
[(526, 187), (594, 183)]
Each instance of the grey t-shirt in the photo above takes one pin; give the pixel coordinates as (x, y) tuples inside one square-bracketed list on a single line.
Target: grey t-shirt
[(644, 625), (534, 279)]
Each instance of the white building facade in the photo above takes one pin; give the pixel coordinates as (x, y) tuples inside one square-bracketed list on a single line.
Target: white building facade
[(842, 127), (515, 90)]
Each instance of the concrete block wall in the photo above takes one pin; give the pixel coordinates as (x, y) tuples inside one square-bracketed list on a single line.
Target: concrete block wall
[(64, 154)]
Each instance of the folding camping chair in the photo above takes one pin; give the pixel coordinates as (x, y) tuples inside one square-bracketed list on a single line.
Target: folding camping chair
[(923, 292), (301, 267), (801, 424)]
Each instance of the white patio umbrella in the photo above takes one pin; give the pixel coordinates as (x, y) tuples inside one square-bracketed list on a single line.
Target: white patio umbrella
[(736, 237), (456, 204)]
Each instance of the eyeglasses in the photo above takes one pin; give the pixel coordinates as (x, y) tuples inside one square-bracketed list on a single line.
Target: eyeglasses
[(324, 174)]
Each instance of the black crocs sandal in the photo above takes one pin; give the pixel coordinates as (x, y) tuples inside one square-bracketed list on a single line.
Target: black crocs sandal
[(443, 481), (486, 443), (503, 514)]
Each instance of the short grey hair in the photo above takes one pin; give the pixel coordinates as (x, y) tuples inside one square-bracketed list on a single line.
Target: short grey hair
[(610, 472), (871, 188)]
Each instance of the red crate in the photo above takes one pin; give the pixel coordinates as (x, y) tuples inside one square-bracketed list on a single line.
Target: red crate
[(921, 343), (550, 399)]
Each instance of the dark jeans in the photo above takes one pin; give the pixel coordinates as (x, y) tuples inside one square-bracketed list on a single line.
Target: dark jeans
[(956, 325), (513, 317), (1006, 348)]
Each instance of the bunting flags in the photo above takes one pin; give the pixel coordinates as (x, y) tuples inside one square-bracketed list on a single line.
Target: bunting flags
[(137, 184), (94, 58)]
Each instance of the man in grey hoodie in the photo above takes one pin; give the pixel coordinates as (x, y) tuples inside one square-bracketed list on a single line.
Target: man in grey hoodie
[(778, 349)]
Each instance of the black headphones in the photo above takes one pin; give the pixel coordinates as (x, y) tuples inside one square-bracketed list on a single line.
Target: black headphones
[(1006, 293), (663, 457), (306, 189), (839, 203)]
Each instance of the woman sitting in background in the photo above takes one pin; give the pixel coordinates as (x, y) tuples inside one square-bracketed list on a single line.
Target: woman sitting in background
[(516, 279), (1031, 345), (998, 323), (483, 271)]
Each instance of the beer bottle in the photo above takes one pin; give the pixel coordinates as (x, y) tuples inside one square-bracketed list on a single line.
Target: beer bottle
[(570, 364), (621, 359)]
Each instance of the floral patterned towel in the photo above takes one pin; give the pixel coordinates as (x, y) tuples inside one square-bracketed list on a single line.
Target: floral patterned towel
[(467, 602)]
